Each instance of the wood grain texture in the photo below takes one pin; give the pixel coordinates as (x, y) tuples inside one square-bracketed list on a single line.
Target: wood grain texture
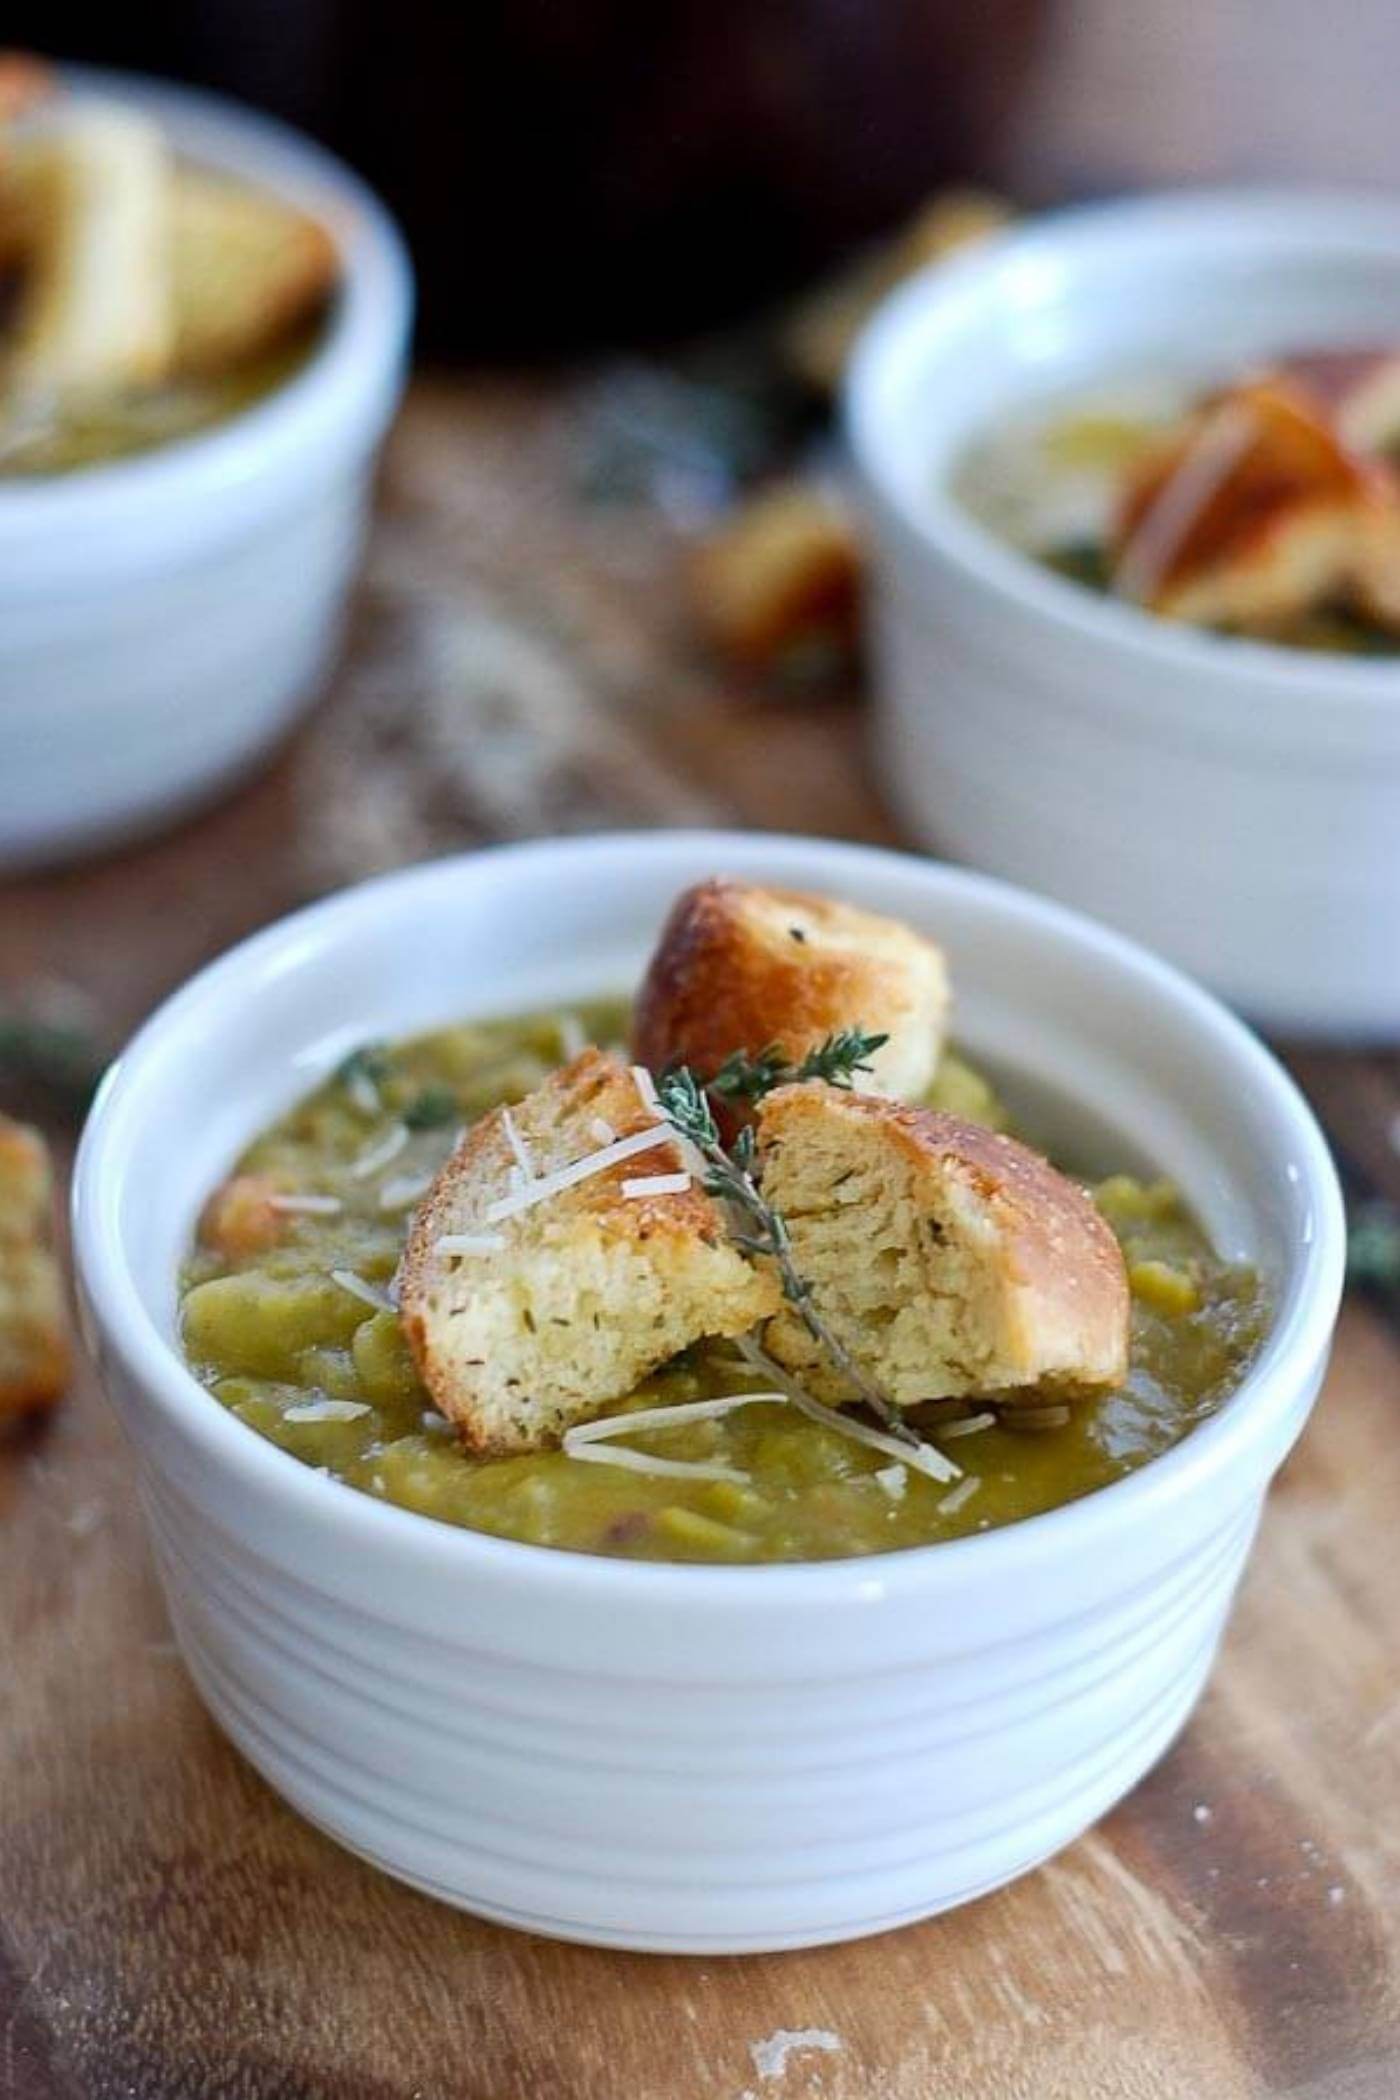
[(168, 1930)]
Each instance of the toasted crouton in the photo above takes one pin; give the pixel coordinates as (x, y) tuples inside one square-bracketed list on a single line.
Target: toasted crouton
[(242, 1217), (548, 1315), (783, 570), (95, 306), (1361, 390), (949, 1260), (822, 332), (740, 968), (35, 1355), (1250, 517), (248, 270)]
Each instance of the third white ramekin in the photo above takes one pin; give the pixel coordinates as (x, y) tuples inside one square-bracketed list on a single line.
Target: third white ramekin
[(1236, 805)]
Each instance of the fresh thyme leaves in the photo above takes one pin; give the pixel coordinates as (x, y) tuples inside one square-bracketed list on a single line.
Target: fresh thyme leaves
[(432, 1108), (760, 1229), (837, 1060)]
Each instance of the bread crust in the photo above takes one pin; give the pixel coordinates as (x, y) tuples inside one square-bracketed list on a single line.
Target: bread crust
[(1057, 1276), (739, 967), (664, 1272)]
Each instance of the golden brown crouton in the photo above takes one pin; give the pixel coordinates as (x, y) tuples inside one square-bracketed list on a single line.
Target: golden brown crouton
[(95, 310), (242, 1218), (822, 333), (948, 1259), (236, 269), (248, 270), (782, 570), (1250, 517), (35, 1354), (524, 1323), (739, 967)]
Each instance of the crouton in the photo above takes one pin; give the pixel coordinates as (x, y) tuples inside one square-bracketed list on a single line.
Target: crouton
[(1359, 388), (248, 268), (740, 968), (822, 332), (950, 1261), (35, 1353), (95, 305), (783, 570), (1250, 517), (547, 1315), (242, 1217)]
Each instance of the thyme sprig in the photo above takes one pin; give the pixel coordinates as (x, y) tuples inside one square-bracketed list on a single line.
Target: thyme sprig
[(759, 1229), (836, 1060)]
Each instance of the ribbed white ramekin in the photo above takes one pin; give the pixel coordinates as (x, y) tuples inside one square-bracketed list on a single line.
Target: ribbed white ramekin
[(1234, 804), (163, 618), (708, 1759)]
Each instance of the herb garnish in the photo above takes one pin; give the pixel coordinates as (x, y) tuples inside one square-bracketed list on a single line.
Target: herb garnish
[(762, 1229), (432, 1108), (837, 1060)]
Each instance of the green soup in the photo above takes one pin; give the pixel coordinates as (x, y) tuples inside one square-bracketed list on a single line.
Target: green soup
[(93, 434), (284, 1334)]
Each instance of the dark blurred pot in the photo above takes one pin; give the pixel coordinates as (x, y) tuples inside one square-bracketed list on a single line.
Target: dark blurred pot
[(586, 170)]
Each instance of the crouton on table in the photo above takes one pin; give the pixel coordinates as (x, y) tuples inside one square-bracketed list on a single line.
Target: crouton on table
[(947, 1259), (525, 1322), (35, 1353)]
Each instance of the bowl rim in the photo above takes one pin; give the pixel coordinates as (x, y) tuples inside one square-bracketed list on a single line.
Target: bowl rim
[(1297, 1345), (364, 336), (1135, 231)]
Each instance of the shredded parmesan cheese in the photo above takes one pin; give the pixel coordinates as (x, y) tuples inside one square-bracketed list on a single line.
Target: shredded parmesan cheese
[(404, 1190), (364, 1093), (663, 1468), (547, 1185), (602, 1130), (326, 1411), (663, 1417), (894, 1480), (646, 1089), (469, 1243), (573, 1040), (1203, 468), (656, 1185), (375, 1157), (970, 1425), (515, 1139), (963, 1492), (924, 1458), (313, 1206), (367, 1293)]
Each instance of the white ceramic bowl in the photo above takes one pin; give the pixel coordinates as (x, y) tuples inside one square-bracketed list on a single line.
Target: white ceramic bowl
[(1234, 804), (695, 1758), (163, 618)]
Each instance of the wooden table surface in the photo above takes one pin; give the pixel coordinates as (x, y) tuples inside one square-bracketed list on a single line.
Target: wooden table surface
[(519, 663)]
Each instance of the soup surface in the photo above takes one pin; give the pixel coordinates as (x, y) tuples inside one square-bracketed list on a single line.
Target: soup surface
[(1047, 477), (112, 427), (285, 1338)]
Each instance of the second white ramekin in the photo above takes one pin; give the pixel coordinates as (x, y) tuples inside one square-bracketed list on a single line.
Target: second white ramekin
[(704, 1759), (1233, 804), (163, 618)]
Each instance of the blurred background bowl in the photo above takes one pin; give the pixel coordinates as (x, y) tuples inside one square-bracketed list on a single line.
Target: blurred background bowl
[(1234, 804), (163, 618)]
